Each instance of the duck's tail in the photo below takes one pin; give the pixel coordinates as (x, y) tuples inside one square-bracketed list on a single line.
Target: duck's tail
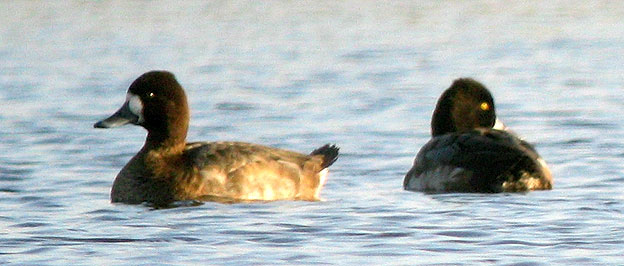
[(329, 152)]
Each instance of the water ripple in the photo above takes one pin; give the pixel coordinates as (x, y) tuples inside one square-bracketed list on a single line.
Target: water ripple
[(297, 75)]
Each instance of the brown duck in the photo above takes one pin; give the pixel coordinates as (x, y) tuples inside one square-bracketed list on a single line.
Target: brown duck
[(169, 169)]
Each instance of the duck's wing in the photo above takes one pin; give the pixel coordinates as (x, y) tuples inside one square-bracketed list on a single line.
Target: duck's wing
[(482, 160), (255, 172)]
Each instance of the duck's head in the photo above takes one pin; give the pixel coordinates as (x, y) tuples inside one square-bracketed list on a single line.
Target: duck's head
[(464, 106), (157, 102)]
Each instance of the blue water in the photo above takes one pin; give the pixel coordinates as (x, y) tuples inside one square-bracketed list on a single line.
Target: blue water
[(293, 74)]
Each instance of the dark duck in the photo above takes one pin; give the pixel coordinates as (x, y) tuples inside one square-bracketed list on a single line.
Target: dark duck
[(472, 151)]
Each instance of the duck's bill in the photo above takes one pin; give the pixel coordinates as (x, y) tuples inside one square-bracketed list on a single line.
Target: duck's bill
[(123, 116), (500, 125)]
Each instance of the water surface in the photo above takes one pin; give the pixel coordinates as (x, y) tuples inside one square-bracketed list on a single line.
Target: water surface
[(297, 75)]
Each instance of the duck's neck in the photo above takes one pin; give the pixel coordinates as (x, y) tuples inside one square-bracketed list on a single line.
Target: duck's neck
[(171, 139), (162, 153), (440, 124), (155, 142)]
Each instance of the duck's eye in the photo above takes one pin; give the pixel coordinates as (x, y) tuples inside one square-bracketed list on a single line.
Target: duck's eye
[(151, 95), (485, 106)]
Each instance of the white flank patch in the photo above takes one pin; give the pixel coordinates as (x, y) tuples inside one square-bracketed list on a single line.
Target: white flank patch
[(542, 162), (136, 106), (322, 179), (545, 168)]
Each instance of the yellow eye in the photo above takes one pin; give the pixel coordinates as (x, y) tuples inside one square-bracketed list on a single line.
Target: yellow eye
[(485, 106), (151, 95)]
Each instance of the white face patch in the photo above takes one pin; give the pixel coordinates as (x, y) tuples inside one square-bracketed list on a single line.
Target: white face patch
[(135, 105)]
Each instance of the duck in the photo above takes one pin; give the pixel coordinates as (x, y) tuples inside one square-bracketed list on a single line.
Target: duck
[(472, 151), (168, 169)]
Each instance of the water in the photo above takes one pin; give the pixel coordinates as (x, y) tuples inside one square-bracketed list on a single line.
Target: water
[(292, 74)]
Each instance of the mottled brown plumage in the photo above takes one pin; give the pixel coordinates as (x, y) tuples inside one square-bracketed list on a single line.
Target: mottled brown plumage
[(168, 169)]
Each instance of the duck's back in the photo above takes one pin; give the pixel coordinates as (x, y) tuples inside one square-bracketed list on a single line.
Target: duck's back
[(248, 171), (229, 171), (482, 160)]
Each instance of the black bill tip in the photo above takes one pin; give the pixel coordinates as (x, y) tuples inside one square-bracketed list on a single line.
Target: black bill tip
[(123, 116)]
